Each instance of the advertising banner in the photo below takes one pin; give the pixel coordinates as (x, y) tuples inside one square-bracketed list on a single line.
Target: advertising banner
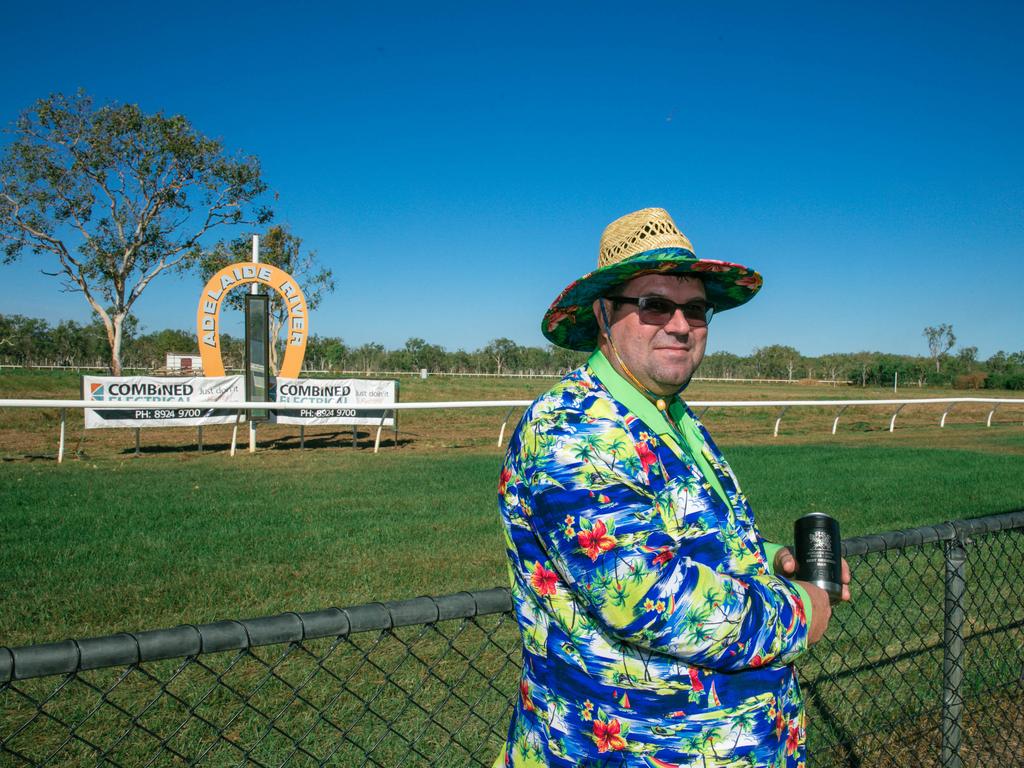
[(331, 401), (167, 393)]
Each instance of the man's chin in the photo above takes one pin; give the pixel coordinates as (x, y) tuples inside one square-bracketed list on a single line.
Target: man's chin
[(677, 373), (671, 385)]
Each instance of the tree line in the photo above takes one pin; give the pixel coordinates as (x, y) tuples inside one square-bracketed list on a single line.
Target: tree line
[(31, 341)]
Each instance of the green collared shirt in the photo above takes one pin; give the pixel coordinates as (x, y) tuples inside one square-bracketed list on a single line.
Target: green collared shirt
[(686, 437)]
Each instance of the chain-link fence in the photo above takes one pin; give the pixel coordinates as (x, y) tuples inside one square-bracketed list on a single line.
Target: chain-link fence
[(924, 668)]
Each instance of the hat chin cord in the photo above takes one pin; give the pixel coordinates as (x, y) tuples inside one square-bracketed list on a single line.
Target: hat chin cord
[(658, 401)]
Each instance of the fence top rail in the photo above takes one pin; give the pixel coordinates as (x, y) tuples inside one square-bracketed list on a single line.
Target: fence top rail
[(245, 405), (70, 656), (916, 537), (990, 523), (527, 374), (125, 648)]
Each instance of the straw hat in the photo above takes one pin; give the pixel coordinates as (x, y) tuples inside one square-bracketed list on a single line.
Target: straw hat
[(641, 243)]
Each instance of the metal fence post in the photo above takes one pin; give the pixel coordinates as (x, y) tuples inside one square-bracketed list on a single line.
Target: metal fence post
[(953, 651)]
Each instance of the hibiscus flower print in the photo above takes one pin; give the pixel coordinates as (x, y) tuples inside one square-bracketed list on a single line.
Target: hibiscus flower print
[(596, 540), (524, 693), (664, 555), (793, 741), (569, 313), (607, 736), (695, 682), (712, 265), (751, 281), (543, 580), (800, 614), (647, 456), (506, 475)]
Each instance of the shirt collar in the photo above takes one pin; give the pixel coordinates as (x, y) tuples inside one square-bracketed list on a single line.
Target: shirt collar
[(687, 437), (627, 394)]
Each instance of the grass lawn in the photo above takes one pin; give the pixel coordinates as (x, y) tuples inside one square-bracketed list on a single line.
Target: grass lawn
[(92, 547), (108, 542)]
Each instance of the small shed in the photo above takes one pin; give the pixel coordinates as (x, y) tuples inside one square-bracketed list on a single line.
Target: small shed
[(189, 363)]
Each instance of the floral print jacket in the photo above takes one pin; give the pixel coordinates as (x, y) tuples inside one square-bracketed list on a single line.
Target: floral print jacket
[(653, 631)]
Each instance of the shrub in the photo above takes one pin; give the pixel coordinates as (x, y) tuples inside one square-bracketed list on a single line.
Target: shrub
[(974, 380)]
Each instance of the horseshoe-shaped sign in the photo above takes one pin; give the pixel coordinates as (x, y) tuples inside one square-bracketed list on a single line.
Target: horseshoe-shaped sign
[(233, 276)]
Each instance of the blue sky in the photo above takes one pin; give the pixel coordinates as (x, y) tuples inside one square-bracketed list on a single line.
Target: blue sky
[(455, 163)]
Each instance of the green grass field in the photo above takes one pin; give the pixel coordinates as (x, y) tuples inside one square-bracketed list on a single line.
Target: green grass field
[(109, 542)]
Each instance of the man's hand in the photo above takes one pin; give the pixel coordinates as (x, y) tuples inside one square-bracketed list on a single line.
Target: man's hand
[(785, 565)]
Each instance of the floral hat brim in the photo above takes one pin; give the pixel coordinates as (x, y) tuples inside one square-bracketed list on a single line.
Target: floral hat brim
[(570, 322)]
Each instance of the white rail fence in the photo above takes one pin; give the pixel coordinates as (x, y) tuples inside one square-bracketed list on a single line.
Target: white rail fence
[(529, 374), (700, 406)]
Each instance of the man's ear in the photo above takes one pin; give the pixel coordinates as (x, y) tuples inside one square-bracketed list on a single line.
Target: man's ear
[(602, 330)]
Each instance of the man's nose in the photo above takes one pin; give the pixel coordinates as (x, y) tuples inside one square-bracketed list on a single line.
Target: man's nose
[(677, 323)]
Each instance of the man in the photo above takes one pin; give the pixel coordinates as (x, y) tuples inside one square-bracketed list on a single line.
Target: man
[(654, 631)]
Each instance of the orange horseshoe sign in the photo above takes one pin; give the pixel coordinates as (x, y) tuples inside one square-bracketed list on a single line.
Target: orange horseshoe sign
[(232, 276)]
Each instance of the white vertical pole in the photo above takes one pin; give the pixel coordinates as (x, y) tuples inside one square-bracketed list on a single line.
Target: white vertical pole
[(835, 423), (778, 421), (253, 289), (942, 421), (376, 442), (892, 421), (234, 433), (895, 381), (63, 419), (501, 432)]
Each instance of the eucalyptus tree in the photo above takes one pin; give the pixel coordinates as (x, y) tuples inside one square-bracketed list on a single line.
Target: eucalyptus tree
[(108, 198), (940, 341)]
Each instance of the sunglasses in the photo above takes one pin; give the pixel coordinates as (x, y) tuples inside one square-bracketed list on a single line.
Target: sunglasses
[(657, 310)]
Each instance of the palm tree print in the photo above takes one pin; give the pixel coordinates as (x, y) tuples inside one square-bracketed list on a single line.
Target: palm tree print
[(632, 582)]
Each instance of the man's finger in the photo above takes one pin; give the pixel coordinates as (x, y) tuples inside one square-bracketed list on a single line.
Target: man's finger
[(788, 563), (845, 578)]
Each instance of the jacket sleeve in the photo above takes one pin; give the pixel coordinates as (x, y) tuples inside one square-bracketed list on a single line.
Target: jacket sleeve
[(649, 567), (771, 549)]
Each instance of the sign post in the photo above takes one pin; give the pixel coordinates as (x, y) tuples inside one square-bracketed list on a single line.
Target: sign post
[(257, 358)]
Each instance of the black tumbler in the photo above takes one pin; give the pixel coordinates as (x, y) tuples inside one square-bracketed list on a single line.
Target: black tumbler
[(819, 557)]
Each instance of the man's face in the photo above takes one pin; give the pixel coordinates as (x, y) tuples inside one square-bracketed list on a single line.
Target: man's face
[(662, 357)]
